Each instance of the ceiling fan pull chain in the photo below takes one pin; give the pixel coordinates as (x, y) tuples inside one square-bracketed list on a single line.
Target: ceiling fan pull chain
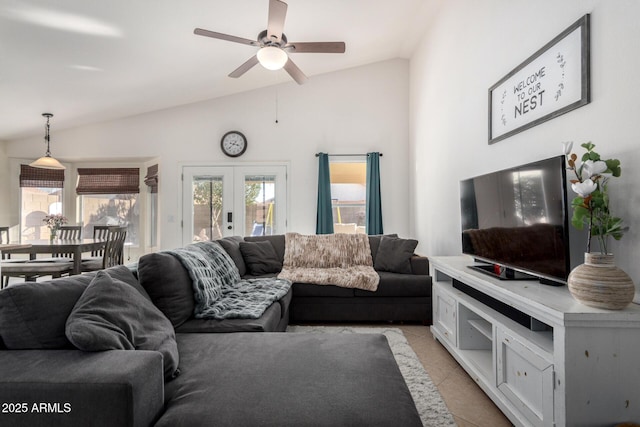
[(276, 106)]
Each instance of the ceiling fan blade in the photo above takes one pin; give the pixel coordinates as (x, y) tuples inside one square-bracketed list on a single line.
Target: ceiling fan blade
[(207, 33), (295, 72), (277, 14), (244, 67), (316, 47)]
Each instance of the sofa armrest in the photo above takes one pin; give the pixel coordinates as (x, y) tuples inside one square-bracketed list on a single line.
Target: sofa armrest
[(75, 388), (420, 265)]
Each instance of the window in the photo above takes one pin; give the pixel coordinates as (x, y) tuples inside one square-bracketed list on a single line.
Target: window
[(152, 186), (109, 196), (40, 195), (348, 196)]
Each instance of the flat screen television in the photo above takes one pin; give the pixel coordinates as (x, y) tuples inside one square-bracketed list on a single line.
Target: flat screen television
[(515, 222)]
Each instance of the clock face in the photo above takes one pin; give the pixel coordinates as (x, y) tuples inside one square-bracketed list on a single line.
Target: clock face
[(233, 144)]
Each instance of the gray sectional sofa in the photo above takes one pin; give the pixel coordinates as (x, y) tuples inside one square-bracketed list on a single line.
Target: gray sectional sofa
[(403, 294), (66, 358)]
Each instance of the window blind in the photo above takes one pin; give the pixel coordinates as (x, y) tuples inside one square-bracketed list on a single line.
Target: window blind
[(40, 177), (108, 181), (152, 178)]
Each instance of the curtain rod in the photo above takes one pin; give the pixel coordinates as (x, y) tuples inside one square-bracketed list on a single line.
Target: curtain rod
[(345, 155)]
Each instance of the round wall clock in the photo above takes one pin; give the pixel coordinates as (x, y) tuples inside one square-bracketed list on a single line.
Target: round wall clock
[(233, 143)]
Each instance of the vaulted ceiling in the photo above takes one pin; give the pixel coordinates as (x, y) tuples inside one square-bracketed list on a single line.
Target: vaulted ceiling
[(92, 61)]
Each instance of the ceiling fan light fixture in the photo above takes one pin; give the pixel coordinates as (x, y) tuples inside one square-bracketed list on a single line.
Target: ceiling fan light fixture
[(46, 161), (272, 58)]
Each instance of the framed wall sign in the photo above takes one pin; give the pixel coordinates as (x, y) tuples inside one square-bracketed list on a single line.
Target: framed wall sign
[(551, 82)]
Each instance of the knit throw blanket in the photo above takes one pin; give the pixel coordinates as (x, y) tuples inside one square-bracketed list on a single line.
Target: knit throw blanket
[(218, 290), (332, 259)]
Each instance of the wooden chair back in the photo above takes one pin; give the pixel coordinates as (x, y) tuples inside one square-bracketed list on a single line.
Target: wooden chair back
[(70, 232), (4, 235), (114, 249), (4, 238), (100, 233)]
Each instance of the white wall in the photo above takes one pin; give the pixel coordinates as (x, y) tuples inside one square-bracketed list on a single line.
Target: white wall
[(352, 111), (471, 46)]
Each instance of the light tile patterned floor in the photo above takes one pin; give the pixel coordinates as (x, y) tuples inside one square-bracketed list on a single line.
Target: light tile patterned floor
[(466, 401)]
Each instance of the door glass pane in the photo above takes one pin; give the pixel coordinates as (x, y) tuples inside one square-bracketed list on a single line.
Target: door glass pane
[(207, 208), (259, 201)]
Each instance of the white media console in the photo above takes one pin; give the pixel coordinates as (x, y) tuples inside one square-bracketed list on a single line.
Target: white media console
[(541, 356)]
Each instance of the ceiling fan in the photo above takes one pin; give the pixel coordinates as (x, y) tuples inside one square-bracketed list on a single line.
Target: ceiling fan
[(274, 47)]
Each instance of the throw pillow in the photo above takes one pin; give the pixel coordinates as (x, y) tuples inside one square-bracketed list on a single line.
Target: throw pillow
[(394, 254), (232, 246), (374, 242), (33, 314), (168, 284), (260, 258), (113, 315)]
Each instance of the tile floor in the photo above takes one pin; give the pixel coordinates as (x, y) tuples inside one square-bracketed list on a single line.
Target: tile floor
[(466, 401)]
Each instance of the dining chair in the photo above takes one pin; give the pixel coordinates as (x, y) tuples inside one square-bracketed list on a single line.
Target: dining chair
[(68, 232), (31, 270), (100, 233), (4, 235), (4, 239), (113, 251)]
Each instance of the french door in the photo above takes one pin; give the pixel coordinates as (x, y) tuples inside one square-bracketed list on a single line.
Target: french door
[(221, 201)]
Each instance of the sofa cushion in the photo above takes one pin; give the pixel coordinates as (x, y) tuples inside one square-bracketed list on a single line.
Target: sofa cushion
[(268, 322), (282, 381), (99, 389), (231, 245), (313, 290), (168, 284), (394, 254), (112, 315), (399, 285), (260, 258), (33, 315)]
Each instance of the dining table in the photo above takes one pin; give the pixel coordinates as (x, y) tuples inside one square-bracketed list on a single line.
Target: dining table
[(75, 247)]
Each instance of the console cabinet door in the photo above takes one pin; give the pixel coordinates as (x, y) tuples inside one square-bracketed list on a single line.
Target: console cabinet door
[(525, 378), (445, 315)]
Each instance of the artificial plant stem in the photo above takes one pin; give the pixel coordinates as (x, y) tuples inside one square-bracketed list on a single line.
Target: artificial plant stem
[(589, 234)]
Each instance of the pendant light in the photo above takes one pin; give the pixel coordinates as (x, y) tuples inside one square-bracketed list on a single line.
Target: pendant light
[(47, 162)]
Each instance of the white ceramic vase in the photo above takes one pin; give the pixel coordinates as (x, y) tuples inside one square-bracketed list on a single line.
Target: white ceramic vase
[(599, 283)]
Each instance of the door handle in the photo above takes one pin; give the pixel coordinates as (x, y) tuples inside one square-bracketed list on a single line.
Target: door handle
[(229, 216)]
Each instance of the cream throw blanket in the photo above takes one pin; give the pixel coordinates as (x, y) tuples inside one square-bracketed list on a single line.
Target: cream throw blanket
[(330, 259)]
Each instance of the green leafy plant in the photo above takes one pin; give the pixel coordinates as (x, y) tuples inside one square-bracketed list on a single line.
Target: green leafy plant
[(591, 205)]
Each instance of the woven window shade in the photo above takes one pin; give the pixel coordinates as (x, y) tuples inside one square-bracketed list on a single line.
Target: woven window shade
[(39, 177), (108, 181), (152, 178)]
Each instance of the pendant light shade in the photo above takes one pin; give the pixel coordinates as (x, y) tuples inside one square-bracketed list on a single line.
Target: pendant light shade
[(47, 162), (272, 58)]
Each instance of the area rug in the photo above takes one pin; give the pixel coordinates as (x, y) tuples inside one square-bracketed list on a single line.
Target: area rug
[(431, 407)]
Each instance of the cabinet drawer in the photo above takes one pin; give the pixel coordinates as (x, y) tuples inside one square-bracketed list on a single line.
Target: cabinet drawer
[(525, 378), (445, 315)]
